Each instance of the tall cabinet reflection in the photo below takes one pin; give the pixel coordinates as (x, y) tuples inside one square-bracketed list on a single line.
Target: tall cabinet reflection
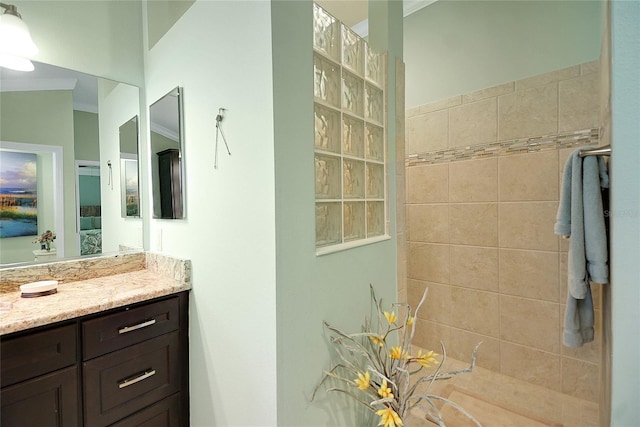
[(166, 156)]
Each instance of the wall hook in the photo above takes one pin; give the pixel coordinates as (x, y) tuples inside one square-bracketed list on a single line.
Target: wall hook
[(219, 131), (110, 174)]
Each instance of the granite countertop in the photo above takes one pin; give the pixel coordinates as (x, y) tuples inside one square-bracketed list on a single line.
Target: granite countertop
[(77, 298)]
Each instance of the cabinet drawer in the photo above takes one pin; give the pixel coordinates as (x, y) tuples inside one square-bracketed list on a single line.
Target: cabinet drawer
[(125, 381), (119, 330), (165, 413), (50, 400), (29, 356)]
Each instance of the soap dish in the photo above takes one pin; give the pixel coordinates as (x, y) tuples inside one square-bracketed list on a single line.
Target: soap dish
[(39, 289)]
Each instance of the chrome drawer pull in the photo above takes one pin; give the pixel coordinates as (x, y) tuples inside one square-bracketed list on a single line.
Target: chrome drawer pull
[(132, 381), (138, 326)]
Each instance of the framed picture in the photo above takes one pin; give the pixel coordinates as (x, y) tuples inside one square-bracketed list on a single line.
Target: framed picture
[(18, 194)]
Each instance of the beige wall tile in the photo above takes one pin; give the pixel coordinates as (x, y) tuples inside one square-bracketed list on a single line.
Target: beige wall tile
[(580, 379), (531, 365), (436, 307), (473, 123), (528, 113), (463, 342), (579, 103), (441, 105), (527, 225), (427, 132), (428, 335), (546, 78), (531, 176), (428, 184), (473, 224), (531, 274), (589, 352), (475, 311), (473, 181), (410, 112), (531, 323), (590, 67), (429, 262), (490, 92), (474, 267), (428, 223)]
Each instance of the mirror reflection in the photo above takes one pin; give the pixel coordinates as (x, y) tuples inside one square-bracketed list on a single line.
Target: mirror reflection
[(129, 188), (166, 156), (69, 123)]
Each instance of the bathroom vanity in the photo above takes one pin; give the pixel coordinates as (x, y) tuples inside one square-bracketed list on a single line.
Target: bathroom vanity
[(104, 351)]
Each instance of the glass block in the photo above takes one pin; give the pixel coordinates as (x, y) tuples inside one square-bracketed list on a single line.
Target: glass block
[(374, 103), (327, 129), (353, 179), (374, 65), (375, 181), (352, 93), (354, 221), (352, 136), (374, 142), (352, 50), (326, 80), (328, 224), (326, 32), (375, 219), (327, 177)]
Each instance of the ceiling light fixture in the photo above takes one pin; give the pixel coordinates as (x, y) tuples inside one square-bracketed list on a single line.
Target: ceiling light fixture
[(16, 44)]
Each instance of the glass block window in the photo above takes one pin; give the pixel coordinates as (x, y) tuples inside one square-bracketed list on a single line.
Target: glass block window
[(349, 140)]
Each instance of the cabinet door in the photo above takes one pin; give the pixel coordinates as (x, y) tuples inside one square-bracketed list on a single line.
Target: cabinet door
[(163, 414), (47, 401)]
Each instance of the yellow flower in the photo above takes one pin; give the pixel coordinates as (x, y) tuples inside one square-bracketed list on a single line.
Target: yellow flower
[(385, 391), (377, 340), (397, 353), (410, 321), (427, 359), (391, 317), (389, 418), (363, 380)]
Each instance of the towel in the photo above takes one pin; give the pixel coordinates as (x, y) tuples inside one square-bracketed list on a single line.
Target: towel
[(581, 217)]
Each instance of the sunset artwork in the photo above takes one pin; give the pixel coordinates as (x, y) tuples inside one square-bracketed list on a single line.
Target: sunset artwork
[(18, 194)]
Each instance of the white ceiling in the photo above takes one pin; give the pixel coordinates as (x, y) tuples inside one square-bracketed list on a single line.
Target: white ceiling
[(49, 77), (355, 13)]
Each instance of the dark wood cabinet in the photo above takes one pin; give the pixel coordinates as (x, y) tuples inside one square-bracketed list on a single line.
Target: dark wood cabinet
[(127, 367), (169, 177)]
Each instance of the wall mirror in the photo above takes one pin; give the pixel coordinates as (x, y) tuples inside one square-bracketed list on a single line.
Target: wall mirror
[(167, 166), (129, 187), (68, 122)]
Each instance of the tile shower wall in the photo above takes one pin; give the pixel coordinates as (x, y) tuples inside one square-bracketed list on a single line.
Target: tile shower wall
[(482, 190)]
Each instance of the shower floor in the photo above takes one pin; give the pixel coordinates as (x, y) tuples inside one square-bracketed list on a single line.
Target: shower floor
[(498, 400)]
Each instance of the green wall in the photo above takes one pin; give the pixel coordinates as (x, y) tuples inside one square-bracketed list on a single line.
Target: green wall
[(87, 140), (44, 118), (454, 46), (312, 289), (625, 212)]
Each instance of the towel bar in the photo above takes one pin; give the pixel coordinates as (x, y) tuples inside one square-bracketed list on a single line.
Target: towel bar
[(605, 150)]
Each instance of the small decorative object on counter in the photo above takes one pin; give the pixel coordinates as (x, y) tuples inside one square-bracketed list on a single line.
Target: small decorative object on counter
[(378, 368), (45, 240)]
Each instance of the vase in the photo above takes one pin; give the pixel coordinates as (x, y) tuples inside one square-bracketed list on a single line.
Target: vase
[(43, 246), (47, 246)]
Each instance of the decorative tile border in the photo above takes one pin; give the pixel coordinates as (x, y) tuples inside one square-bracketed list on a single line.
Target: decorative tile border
[(516, 146)]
